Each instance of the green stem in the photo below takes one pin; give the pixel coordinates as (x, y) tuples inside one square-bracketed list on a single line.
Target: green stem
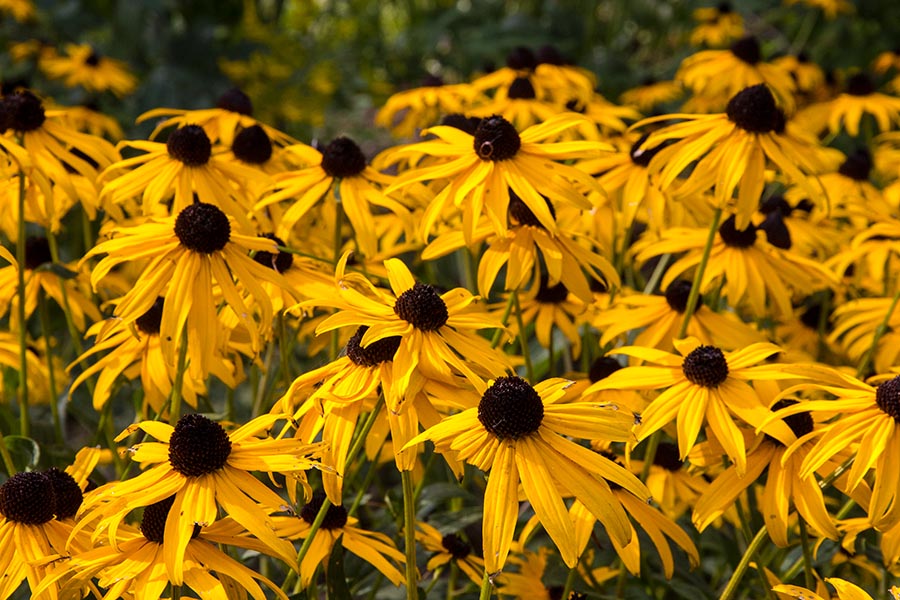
[(486, 587), (7, 458), (882, 328), (409, 534), (24, 422), (523, 340), (808, 578), (51, 372), (451, 580), (755, 545), (504, 319), (70, 323), (650, 454), (657, 273), (698, 275), (570, 582), (338, 243), (259, 399), (178, 384)]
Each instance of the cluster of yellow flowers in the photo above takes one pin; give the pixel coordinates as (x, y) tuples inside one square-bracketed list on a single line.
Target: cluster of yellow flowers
[(681, 328)]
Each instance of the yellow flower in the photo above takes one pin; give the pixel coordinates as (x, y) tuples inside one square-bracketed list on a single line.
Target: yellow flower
[(83, 66), (449, 547), (717, 26), (860, 98), (408, 110), (519, 434), (651, 94)]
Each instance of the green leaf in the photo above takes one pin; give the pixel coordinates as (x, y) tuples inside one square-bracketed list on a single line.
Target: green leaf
[(25, 452), (335, 580)]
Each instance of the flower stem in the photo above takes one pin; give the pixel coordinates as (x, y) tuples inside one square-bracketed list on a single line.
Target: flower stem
[(698, 274), (523, 340), (504, 319), (486, 587), (409, 533), (755, 544), (570, 582), (24, 422), (51, 374), (808, 578), (178, 384)]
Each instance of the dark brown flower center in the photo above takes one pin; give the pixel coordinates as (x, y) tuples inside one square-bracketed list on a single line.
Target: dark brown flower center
[(153, 521), (22, 111), (747, 49), (522, 214), (462, 122), (887, 397), (861, 84), (343, 158), (198, 446), (279, 261), (521, 58), (735, 238), (602, 368), (521, 89), (777, 232), (705, 366), (456, 546), (28, 498), (37, 252), (236, 101), (93, 59), (776, 203), (643, 156), (252, 145), (496, 139), (677, 295), (422, 307), (551, 294), (380, 351), (800, 423), (857, 166), (667, 457), (190, 145), (203, 228), (335, 517), (510, 408), (66, 493), (150, 321), (753, 109), (550, 55)]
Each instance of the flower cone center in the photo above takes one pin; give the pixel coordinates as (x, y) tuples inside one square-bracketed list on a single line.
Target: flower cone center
[(203, 228), (198, 446), (705, 366), (753, 109), (374, 354), (510, 408), (735, 238), (422, 307), (887, 397), (21, 111), (236, 101), (252, 145), (28, 498), (343, 158), (280, 261), (496, 139), (190, 145), (335, 517)]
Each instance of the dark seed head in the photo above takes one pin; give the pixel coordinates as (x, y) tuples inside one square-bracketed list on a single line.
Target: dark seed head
[(190, 145), (677, 295), (667, 457), (462, 122), (456, 546), (28, 498), (203, 228), (510, 408), (280, 261), (37, 252), (643, 156), (343, 158), (153, 522), (235, 101), (857, 166), (422, 307), (66, 492), (335, 517), (521, 89), (705, 366), (93, 59), (550, 55), (432, 81), (812, 316), (150, 321), (776, 203), (522, 215), (252, 145), (860, 84), (496, 139), (753, 109), (805, 205), (747, 49), (777, 232), (551, 294), (800, 423), (198, 446), (887, 397), (375, 353), (602, 368), (724, 8), (22, 112), (734, 238), (576, 106), (521, 58)]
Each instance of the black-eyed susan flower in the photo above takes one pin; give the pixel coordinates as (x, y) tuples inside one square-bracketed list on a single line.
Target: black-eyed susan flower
[(449, 548), (135, 564), (846, 590), (860, 97), (808, 75), (704, 384), (205, 468), (551, 307), (339, 172), (756, 273), (729, 151), (517, 434), (187, 167), (408, 110), (674, 486), (651, 93), (21, 10), (869, 420), (830, 8), (375, 548), (435, 329), (476, 172), (82, 66), (527, 583), (720, 74), (717, 26), (191, 256)]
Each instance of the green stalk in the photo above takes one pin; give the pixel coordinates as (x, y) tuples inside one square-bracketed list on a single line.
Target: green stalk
[(570, 582), (486, 587), (451, 581), (338, 243), (409, 534), (24, 422), (698, 274), (178, 384), (808, 578), (54, 396), (650, 454), (523, 341), (754, 547), (504, 319), (70, 323)]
